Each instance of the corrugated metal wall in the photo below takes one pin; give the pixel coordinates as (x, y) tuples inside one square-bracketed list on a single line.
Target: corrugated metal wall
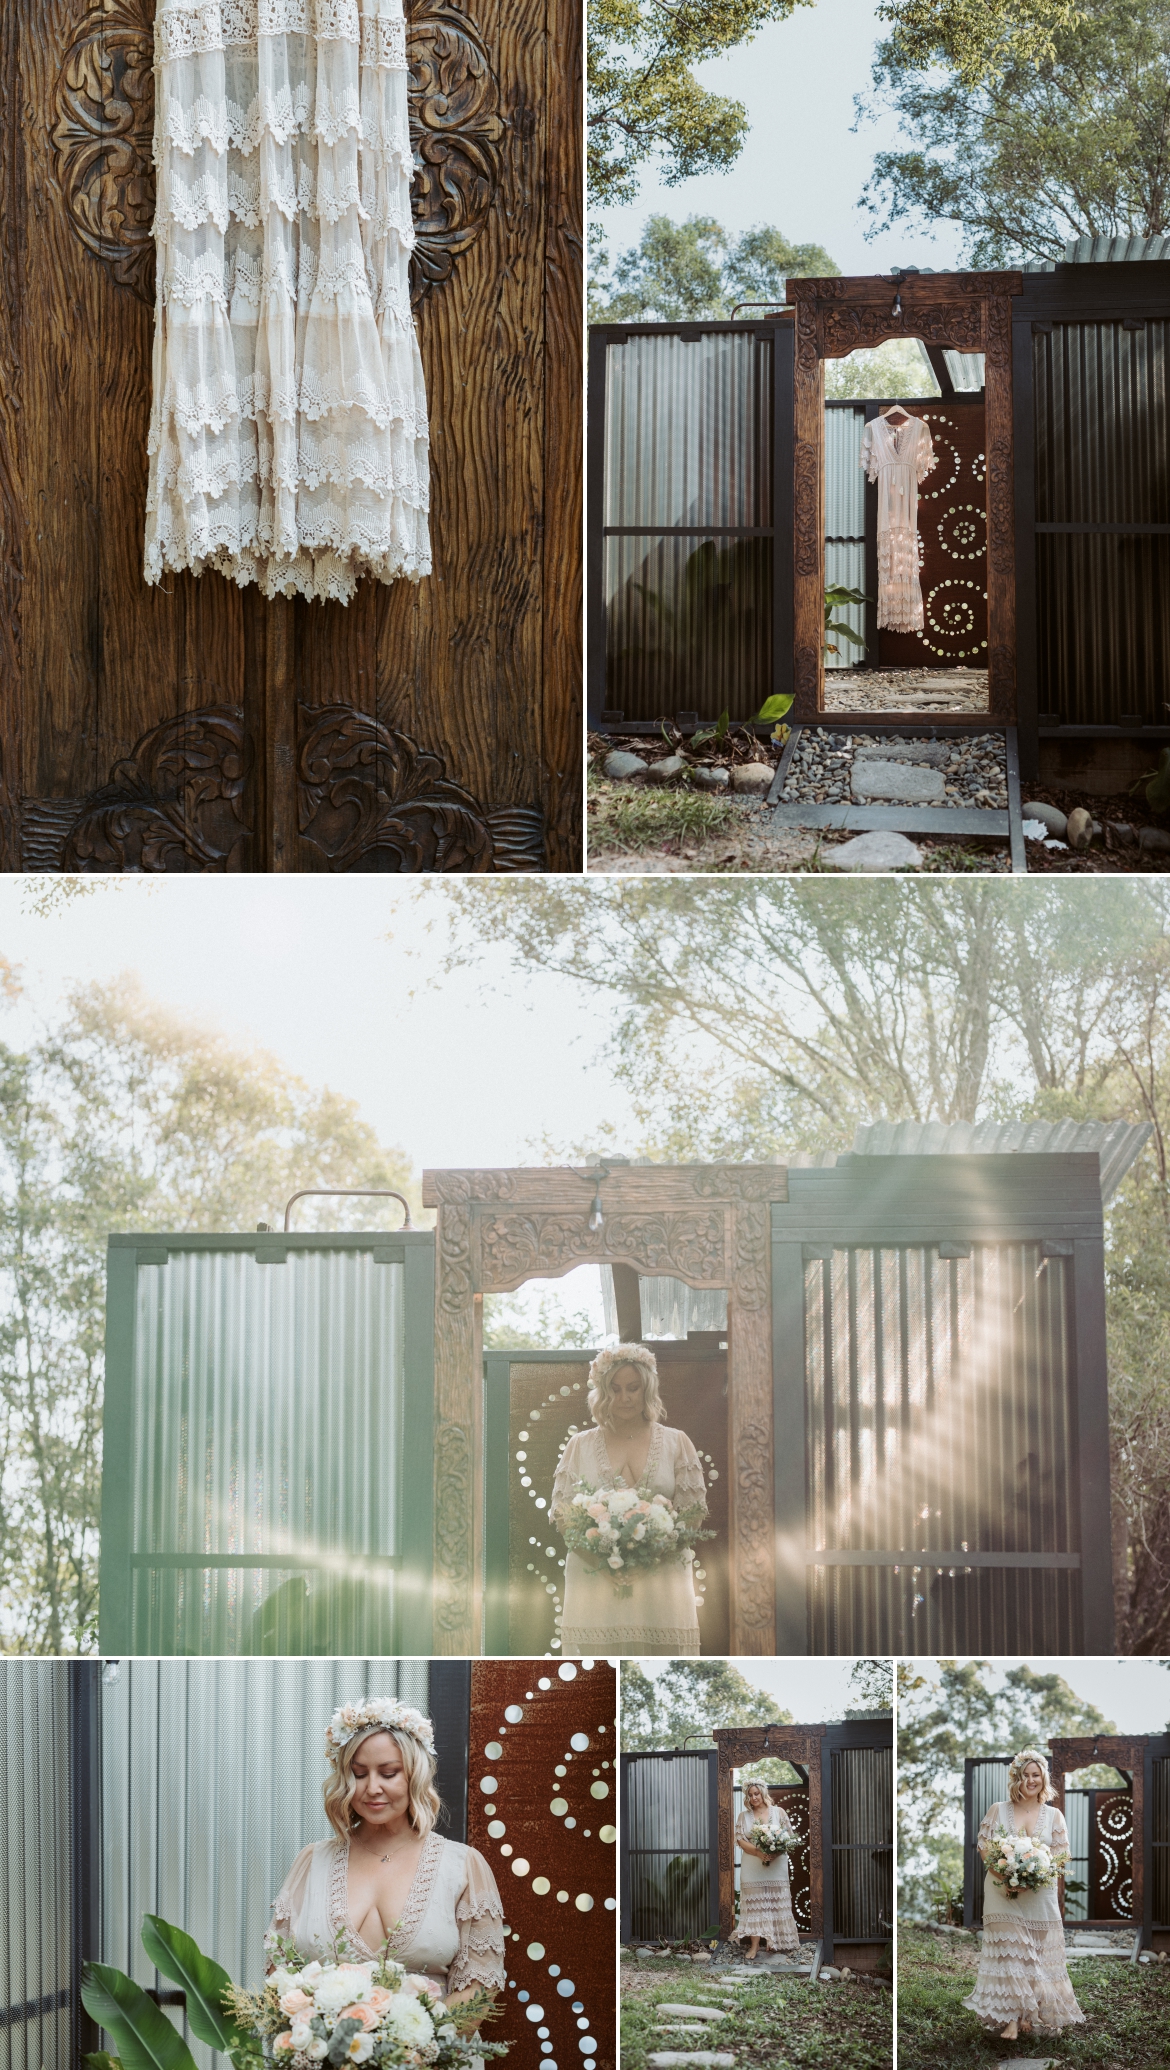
[(35, 1951), (939, 1418), (1076, 1818), (268, 1412), (845, 519), (688, 444), (667, 1843), (1102, 444), (863, 1842), (989, 1785), (211, 1784)]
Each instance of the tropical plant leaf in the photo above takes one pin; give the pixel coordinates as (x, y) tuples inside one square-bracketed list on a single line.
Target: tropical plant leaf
[(145, 2037), (203, 1980), (773, 708), (101, 2059), (838, 595), (846, 632)]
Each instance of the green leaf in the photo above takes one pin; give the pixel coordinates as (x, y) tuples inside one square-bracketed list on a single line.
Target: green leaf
[(721, 724), (145, 2037), (846, 632), (773, 708), (846, 596), (100, 2059), (204, 1981)]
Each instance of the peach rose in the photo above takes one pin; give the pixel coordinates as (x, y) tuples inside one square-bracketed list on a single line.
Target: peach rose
[(295, 2002), (283, 2044), (366, 2012)]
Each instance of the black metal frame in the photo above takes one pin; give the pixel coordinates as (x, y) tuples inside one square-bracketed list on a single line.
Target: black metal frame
[(449, 1697), (85, 1836), (625, 1933), (852, 1732)]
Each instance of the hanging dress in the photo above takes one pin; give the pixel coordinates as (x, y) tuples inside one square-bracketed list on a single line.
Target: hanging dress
[(288, 430), (898, 458), (1023, 1974), (660, 1616), (765, 1894)]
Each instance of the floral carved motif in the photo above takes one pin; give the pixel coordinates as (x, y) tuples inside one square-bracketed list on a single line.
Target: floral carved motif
[(521, 1246), (752, 1256), (370, 799), (456, 1187), (957, 325), (452, 1524), (742, 1182), (456, 1284), (177, 803), (103, 121), (103, 117), (806, 509)]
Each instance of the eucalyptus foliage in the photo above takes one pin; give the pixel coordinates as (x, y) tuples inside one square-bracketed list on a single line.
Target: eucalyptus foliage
[(681, 272)]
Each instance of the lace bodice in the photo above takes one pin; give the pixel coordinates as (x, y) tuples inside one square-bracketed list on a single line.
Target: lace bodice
[(288, 431), (451, 1926), (673, 1468), (1051, 1829)]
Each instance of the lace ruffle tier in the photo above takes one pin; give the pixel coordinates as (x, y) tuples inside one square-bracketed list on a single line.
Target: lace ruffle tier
[(1023, 1975), (288, 437), (766, 1914)]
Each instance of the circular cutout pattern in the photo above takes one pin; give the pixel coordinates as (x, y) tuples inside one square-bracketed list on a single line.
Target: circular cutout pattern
[(962, 532), (541, 1886)]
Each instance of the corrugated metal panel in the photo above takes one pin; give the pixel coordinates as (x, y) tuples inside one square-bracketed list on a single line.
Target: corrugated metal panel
[(688, 626), (845, 564), (844, 475), (966, 370), (940, 1417), (268, 1413), (1082, 251), (863, 1842), (1076, 1818), (35, 1952), (1102, 448), (669, 1307), (1117, 1143), (667, 1844), (211, 1784), (989, 1785)]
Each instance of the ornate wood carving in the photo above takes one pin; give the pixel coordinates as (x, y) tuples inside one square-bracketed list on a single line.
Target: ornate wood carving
[(369, 799), (180, 802), (741, 1746), (103, 105), (707, 1225), (967, 312)]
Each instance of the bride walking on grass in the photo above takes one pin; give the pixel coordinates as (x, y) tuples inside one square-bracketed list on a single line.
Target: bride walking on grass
[(629, 1500), (1022, 1984)]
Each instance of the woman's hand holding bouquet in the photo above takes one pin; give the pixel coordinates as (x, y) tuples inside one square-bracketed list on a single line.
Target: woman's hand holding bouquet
[(772, 1841), (623, 1529), (1018, 1862)]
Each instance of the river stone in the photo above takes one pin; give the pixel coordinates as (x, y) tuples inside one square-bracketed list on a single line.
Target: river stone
[(695, 2012), (620, 767), (1079, 831), (901, 782), (752, 779), (934, 754), (1052, 816), (873, 853), (710, 778), (703, 2059), (667, 769), (1154, 840)]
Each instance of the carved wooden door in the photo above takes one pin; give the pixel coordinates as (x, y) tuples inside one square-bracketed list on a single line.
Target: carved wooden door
[(195, 726)]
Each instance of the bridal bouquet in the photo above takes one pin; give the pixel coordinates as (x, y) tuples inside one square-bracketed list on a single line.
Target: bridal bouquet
[(627, 1528), (1018, 1862), (770, 1840)]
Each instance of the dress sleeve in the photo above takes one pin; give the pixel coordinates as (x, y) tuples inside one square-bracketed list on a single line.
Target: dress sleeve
[(786, 1825), (743, 1828), (1059, 1842), (479, 1916), (690, 1489), (868, 459), (289, 1900), (926, 453), (988, 1829), (567, 1473)]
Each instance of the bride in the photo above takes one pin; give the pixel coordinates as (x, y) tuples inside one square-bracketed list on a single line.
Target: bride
[(1022, 1984), (765, 1899), (631, 1447), (387, 1884)]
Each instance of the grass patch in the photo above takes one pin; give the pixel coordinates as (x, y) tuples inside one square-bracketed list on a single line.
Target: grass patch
[(784, 2024), (1127, 2012), (631, 818)]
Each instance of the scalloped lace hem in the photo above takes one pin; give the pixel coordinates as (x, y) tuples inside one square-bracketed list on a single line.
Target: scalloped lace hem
[(601, 1638), (323, 576)]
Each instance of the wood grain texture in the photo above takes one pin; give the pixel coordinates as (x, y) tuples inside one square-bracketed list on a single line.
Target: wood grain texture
[(478, 667)]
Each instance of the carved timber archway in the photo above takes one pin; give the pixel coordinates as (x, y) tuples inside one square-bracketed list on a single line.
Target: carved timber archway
[(741, 1746), (709, 1225), (963, 312)]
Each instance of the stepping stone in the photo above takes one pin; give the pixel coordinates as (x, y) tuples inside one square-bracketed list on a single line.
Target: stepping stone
[(702, 2012), (703, 2059), (900, 783), (872, 854), (682, 2026), (934, 754)]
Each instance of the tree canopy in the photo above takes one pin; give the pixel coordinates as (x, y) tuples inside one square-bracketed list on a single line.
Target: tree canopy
[(684, 271), (1073, 143)]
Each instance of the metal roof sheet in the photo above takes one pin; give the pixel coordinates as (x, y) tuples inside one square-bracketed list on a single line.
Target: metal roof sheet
[(1117, 1143), (1096, 251)]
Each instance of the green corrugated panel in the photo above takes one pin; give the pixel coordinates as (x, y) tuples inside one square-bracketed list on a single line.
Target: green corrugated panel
[(35, 1953)]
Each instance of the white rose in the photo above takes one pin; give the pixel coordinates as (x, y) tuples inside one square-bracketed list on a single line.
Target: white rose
[(639, 1533), (615, 1560), (302, 2034), (407, 2020), (422, 1987), (316, 2049), (623, 1499), (287, 1980), (307, 1976)]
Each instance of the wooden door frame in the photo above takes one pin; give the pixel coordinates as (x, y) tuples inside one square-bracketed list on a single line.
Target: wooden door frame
[(708, 1225), (1129, 1752), (741, 1746), (962, 312)]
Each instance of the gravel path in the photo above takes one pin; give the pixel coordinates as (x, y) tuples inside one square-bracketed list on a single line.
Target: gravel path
[(905, 689), (973, 768)]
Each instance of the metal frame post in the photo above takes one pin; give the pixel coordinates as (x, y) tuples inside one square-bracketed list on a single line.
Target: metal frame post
[(85, 1841), (789, 1412), (449, 1697)]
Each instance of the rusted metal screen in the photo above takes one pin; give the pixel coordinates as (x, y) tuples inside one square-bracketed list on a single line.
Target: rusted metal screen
[(940, 1421), (35, 1936), (542, 1796), (669, 1846), (1102, 460), (862, 1785)]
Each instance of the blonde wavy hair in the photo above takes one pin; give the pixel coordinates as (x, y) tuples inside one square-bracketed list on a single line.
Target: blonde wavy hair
[(601, 1376), (1016, 1775), (418, 1765), (753, 1783)]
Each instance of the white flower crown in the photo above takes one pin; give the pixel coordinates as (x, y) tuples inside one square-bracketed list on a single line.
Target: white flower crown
[(1020, 1761), (384, 1712)]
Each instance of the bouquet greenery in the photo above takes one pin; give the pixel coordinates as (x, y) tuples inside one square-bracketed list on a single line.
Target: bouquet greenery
[(623, 1529), (772, 1841), (337, 2011), (1017, 1862)]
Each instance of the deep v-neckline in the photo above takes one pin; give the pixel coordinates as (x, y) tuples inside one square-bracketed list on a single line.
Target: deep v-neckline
[(610, 1471), (1022, 1831), (417, 1897)]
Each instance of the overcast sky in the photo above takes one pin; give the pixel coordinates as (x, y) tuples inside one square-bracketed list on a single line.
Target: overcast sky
[(1133, 1694), (803, 167), (811, 1689)]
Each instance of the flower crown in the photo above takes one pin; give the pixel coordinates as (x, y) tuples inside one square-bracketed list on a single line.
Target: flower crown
[(621, 1355), (377, 1713), (1020, 1761)]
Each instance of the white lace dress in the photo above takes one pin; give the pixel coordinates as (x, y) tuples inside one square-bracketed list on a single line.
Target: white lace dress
[(765, 1895), (898, 457), (1022, 1971), (452, 1922), (288, 431), (660, 1615)]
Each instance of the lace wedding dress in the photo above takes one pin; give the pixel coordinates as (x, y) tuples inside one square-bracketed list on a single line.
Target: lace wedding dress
[(660, 1615), (765, 1895), (452, 1925), (288, 431), (1022, 1971), (898, 457)]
